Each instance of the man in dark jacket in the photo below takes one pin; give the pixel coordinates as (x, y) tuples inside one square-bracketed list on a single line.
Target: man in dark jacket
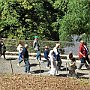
[(25, 57), (2, 49), (46, 53)]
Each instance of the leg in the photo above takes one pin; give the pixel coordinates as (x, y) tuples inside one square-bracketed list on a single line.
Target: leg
[(86, 65), (38, 57), (3, 53), (82, 62), (56, 66), (59, 64), (27, 66), (80, 66), (48, 63), (87, 59)]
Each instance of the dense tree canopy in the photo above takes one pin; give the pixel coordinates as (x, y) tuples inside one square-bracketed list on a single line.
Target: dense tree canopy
[(49, 19)]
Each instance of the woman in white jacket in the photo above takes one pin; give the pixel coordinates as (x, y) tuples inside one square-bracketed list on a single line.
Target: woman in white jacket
[(53, 69), (19, 49)]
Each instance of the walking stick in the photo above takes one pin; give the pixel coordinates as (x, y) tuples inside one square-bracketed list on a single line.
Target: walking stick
[(40, 67), (66, 69), (11, 66)]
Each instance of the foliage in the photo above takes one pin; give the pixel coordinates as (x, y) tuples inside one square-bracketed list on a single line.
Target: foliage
[(49, 19), (76, 20)]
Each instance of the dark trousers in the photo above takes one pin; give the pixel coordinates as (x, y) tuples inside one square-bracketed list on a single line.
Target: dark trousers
[(59, 64), (48, 63), (87, 59), (83, 62), (2, 53), (38, 56), (27, 65)]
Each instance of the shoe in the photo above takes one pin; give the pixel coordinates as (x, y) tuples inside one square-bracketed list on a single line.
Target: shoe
[(29, 73), (57, 74), (32, 72), (41, 61), (88, 68), (18, 64), (47, 67), (4, 58)]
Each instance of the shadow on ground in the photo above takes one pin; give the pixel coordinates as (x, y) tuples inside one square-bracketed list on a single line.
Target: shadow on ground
[(38, 71), (10, 59), (33, 65)]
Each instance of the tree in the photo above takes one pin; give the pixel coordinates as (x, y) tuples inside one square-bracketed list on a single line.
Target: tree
[(76, 20), (49, 19), (25, 18)]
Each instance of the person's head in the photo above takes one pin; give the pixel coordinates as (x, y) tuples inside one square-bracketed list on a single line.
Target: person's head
[(57, 45), (26, 45), (70, 55), (46, 47), (36, 37), (81, 42), (21, 42)]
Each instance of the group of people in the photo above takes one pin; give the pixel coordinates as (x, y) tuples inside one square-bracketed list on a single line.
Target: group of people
[(54, 60), (53, 57), (23, 56), (83, 56)]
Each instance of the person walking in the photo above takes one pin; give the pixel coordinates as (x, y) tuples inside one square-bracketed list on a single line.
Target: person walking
[(36, 47), (25, 57), (87, 53), (2, 49), (46, 53), (19, 49), (53, 69), (57, 56), (82, 55)]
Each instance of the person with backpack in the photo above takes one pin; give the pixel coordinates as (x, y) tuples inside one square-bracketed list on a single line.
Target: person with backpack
[(53, 69), (57, 55), (87, 53), (82, 55), (25, 58), (46, 53), (36, 47)]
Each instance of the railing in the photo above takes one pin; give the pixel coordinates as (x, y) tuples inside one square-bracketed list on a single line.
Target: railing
[(65, 46), (63, 56)]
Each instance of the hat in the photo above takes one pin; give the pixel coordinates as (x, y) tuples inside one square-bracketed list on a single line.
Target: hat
[(26, 45), (36, 37), (57, 44)]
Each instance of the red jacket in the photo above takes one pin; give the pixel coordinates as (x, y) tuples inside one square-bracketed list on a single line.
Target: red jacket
[(82, 50)]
